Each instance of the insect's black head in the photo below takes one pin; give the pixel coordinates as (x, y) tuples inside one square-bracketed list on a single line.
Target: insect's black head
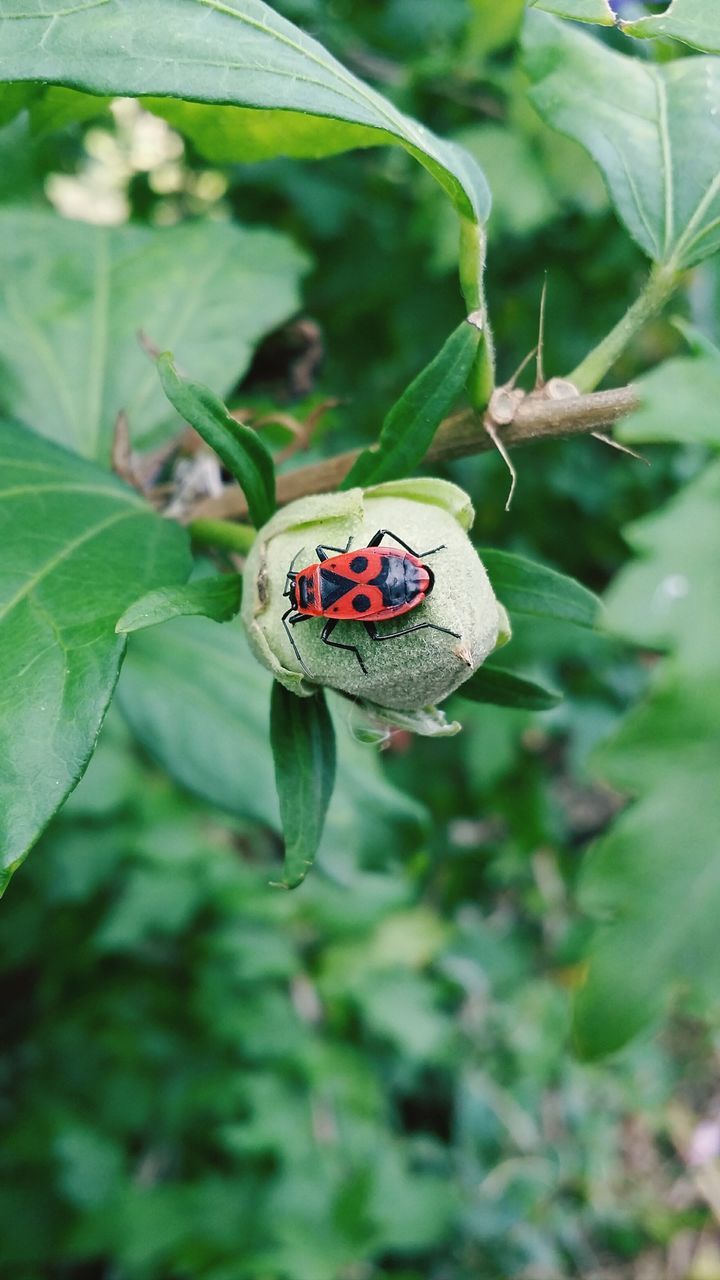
[(291, 583)]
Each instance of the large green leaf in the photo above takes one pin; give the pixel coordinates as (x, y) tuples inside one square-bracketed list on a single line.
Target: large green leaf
[(75, 297), (654, 879), (77, 548), (241, 450), (654, 130), (303, 744), (410, 425), (288, 94), (695, 22)]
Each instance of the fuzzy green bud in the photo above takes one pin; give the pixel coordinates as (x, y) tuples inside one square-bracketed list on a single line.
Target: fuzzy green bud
[(404, 675)]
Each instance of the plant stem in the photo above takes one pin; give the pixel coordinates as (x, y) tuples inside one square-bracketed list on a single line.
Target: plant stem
[(224, 534), (459, 436), (660, 284), (481, 380)]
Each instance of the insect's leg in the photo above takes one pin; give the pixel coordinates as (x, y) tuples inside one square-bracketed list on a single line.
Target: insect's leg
[(374, 634), (289, 619), (336, 644), (323, 548), (388, 533)]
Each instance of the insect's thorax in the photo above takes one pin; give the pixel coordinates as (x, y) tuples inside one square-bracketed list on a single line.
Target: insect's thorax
[(366, 583)]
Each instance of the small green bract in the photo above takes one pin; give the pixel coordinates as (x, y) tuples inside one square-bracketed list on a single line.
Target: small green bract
[(407, 674)]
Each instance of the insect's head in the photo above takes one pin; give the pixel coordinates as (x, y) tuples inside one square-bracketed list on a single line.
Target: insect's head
[(291, 580)]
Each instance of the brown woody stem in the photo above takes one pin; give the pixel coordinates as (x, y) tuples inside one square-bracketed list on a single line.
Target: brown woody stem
[(536, 418)]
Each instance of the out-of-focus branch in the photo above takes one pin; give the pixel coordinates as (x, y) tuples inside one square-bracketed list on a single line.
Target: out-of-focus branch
[(536, 418)]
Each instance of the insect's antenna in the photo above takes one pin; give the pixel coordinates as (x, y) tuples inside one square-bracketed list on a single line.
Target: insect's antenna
[(290, 576), (291, 638), (296, 557), (423, 554), (540, 349)]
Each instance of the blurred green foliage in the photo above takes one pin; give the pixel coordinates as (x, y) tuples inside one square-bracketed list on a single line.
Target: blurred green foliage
[(370, 1077), (207, 1079)]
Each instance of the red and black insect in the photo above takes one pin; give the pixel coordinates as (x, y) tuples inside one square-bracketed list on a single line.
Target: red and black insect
[(368, 585)]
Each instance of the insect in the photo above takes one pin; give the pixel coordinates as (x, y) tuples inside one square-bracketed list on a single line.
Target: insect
[(367, 585)]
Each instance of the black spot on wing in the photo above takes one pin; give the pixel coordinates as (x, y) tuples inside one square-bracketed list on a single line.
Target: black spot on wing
[(361, 603), (359, 564)]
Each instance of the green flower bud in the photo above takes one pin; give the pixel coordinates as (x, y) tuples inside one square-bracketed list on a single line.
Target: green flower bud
[(405, 674)]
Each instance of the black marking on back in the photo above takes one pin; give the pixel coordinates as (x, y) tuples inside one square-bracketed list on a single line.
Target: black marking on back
[(391, 581), (361, 603), (333, 586), (359, 564)]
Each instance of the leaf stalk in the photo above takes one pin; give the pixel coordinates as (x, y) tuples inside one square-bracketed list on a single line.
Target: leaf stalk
[(662, 281)]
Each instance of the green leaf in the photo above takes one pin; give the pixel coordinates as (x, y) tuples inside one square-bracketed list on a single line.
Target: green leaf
[(654, 879), (410, 425), (303, 745), (217, 598), (667, 596), (505, 689), (239, 447), (78, 547), (288, 94), (197, 700), (654, 130), (694, 22), (56, 107), (597, 11), (13, 99), (524, 587), (75, 297), (678, 402)]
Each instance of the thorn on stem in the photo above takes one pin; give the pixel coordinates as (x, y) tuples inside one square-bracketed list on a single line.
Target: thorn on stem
[(497, 441), (621, 448), (508, 386), (540, 349)]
